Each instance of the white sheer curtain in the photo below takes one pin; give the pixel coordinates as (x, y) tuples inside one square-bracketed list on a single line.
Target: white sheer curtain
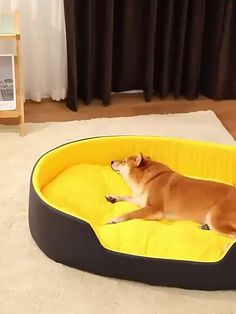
[(43, 46)]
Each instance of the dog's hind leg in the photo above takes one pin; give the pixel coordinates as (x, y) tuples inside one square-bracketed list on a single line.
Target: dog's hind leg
[(222, 219), (148, 213)]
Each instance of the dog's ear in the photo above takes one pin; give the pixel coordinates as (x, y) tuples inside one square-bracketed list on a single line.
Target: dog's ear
[(140, 160)]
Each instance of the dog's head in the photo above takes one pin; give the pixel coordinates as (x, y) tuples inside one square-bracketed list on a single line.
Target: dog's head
[(129, 164)]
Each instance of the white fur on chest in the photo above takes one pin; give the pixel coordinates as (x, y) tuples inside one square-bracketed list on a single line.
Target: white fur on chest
[(139, 196), (140, 200)]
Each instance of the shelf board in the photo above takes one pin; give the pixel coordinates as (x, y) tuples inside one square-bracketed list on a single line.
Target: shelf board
[(9, 29), (9, 114), (8, 36)]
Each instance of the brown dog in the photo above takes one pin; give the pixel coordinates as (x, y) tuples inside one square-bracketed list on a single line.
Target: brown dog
[(165, 194)]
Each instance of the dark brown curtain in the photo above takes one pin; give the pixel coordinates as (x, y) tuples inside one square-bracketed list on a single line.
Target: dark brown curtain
[(179, 47)]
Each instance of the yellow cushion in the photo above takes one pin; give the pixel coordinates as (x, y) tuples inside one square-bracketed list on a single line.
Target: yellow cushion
[(76, 177)]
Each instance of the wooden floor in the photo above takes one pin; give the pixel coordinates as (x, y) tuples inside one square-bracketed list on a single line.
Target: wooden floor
[(130, 105)]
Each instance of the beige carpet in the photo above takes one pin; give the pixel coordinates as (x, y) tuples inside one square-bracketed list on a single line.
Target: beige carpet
[(30, 283)]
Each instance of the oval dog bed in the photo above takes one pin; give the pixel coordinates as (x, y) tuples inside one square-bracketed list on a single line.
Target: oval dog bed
[(68, 214)]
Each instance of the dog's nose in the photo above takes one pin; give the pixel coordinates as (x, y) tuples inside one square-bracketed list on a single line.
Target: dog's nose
[(112, 162)]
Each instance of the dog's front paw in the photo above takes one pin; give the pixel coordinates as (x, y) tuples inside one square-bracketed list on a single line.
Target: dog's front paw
[(114, 221), (111, 199), (204, 227), (111, 222)]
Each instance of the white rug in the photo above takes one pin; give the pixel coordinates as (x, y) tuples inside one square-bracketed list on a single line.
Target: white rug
[(30, 283)]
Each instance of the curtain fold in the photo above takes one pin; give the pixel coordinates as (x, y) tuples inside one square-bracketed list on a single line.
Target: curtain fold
[(89, 45), (72, 56), (178, 47), (218, 70)]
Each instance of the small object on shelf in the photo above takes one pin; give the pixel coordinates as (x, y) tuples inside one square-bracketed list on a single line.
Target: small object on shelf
[(11, 83), (7, 83)]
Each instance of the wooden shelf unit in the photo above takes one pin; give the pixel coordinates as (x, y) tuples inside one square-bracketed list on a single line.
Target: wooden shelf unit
[(20, 99)]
